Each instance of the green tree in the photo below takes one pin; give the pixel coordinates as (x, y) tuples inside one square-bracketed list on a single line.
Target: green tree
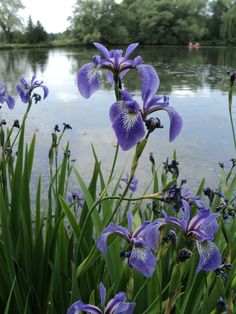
[(228, 27), (35, 33), (9, 19), (217, 10), (85, 20)]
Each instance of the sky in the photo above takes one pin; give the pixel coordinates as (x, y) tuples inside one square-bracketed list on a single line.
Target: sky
[(52, 14)]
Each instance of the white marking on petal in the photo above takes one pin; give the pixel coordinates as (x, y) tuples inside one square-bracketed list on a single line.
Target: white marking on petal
[(139, 253), (129, 120), (92, 72)]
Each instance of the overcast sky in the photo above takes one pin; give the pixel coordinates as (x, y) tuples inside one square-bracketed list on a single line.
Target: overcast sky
[(51, 13)]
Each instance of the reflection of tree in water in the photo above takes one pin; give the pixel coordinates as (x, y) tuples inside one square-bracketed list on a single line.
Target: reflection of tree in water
[(38, 59), (177, 67), (16, 63)]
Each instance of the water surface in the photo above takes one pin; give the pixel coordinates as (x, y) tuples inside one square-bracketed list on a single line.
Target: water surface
[(195, 80)]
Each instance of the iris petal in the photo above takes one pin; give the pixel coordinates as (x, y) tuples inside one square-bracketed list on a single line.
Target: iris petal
[(114, 302), (119, 230), (79, 306), (130, 49), (142, 259), (45, 91), (116, 109), (10, 101), (210, 257), (125, 308), (149, 79), (102, 49), (87, 80), (102, 291), (129, 129)]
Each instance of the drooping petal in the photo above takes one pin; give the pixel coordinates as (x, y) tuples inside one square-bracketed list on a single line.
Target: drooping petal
[(104, 51), (119, 230), (178, 222), (130, 49), (114, 302), (125, 308), (142, 258), (154, 103), (128, 126), (87, 80), (149, 80), (102, 291), (45, 91), (176, 121), (10, 101), (210, 257), (79, 306)]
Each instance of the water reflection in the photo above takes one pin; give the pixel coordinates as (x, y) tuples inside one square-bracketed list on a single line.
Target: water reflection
[(195, 80)]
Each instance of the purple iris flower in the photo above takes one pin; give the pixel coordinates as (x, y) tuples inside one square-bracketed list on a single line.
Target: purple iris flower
[(134, 183), (128, 119), (202, 227), (142, 240), (5, 97), (76, 196), (24, 89), (113, 61), (116, 305)]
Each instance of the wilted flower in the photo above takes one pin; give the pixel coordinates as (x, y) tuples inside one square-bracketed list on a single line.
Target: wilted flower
[(134, 183), (25, 90), (113, 61), (128, 119), (202, 228), (5, 97), (76, 197), (116, 305), (142, 240)]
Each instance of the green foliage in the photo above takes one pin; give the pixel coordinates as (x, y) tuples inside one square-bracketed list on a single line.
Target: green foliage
[(154, 21), (9, 19), (35, 34)]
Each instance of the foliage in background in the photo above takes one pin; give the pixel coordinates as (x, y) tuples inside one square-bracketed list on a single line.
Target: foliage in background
[(49, 257), (158, 22), (9, 18)]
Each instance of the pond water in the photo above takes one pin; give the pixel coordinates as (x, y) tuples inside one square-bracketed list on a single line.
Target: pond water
[(195, 80)]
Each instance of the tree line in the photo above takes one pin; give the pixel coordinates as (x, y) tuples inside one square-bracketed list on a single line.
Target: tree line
[(161, 22), (158, 22)]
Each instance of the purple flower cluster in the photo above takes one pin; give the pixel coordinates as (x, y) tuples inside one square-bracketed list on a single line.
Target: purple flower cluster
[(77, 197), (127, 116), (24, 90), (141, 241), (116, 305), (200, 228)]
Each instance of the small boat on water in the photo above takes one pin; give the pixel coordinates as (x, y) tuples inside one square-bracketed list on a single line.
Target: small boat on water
[(194, 45)]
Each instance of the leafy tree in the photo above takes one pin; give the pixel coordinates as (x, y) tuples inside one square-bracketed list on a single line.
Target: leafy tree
[(217, 10), (9, 19), (228, 28), (35, 33), (85, 20)]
